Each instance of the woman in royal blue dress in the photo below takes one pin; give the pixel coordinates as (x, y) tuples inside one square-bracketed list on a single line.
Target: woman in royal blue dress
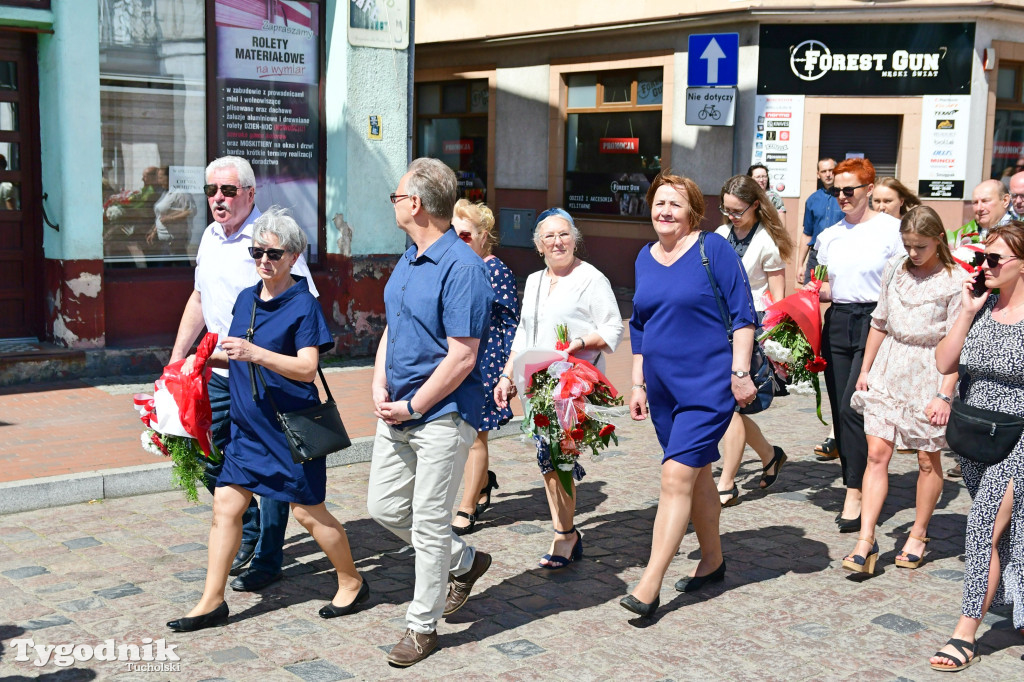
[(289, 333), (475, 225), (686, 371)]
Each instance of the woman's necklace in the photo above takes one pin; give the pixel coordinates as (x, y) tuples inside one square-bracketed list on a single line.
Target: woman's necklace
[(554, 279), (1005, 311), (668, 257)]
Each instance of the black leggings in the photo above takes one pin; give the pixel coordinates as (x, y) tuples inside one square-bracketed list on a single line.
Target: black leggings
[(843, 338)]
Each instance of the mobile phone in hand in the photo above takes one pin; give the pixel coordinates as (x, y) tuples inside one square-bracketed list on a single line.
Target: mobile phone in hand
[(979, 287)]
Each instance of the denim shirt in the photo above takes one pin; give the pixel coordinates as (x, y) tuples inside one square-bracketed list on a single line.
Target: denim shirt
[(820, 213), (445, 292)]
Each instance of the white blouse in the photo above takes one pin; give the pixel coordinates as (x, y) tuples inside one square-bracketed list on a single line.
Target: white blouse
[(760, 260), (857, 254), (582, 300)]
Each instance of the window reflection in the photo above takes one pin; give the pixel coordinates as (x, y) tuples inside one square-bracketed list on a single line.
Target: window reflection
[(9, 116), (8, 75), (153, 111), (10, 196)]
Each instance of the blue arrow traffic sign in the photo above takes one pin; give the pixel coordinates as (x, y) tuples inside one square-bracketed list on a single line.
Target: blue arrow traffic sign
[(714, 59)]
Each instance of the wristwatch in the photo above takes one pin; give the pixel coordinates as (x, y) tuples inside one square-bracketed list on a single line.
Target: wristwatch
[(740, 373), (412, 413), (943, 397)]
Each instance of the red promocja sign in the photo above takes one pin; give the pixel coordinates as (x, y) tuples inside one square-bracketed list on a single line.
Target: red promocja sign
[(457, 146), (620, 145)]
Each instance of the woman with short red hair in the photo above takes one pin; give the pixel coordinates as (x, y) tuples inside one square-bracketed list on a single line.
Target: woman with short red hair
[(855, 250)]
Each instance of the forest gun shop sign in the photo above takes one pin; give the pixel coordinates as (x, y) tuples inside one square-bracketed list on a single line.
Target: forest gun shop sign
[(854, 59)]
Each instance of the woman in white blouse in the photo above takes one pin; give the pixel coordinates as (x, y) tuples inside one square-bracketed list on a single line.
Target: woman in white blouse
[(755, 231), (571, 292), (855, 250)]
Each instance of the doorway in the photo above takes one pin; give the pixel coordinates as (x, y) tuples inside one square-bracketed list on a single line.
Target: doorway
[(21, 238), (876, 138)]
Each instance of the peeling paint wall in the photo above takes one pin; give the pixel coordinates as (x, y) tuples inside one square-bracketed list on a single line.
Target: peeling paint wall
[(75, 315)]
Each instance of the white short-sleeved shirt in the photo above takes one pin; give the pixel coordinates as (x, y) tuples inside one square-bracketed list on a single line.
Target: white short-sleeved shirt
[(224, 268), (760, 260), (857, 254), (583, 300)]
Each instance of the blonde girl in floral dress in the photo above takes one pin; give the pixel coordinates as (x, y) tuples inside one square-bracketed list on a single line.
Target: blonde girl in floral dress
[(901, 394)]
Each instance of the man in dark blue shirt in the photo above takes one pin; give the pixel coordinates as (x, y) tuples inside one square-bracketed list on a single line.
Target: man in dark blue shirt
[(428, 395), (821, 211)]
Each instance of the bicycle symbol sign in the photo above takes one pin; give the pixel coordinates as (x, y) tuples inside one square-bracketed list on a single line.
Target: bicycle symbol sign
[(710, 106)]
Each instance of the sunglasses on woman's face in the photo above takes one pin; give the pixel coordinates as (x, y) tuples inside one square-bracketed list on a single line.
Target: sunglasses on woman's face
[(226, 190), (273, 254), (994, 260), (847, 191)]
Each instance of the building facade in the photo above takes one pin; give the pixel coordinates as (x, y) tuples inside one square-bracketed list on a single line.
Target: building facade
[(111, 109), (580, 105)]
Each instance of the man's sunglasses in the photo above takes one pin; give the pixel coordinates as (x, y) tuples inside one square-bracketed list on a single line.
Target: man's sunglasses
[(226, 190), (273, 254), (847, 191), (995, 259)]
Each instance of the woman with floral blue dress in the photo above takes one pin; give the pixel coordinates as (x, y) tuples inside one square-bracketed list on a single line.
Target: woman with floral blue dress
[(475, 225)]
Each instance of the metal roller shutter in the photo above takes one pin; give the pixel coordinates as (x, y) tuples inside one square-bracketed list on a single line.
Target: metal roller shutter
[(876, 137)]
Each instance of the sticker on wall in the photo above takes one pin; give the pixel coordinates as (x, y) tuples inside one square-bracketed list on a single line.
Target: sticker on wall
[(376, 128)]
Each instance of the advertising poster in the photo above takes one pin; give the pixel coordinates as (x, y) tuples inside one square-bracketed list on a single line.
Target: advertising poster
[(379, 23), (942, 166), (267, 100), (613, 194), (778, 141)]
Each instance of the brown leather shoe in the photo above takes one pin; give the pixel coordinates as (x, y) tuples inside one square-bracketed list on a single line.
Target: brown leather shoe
[(460, 586), (412, 648)]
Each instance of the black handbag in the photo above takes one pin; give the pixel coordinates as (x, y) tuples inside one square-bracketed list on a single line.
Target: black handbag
[(312, 432), (981, 435), (760, 369)]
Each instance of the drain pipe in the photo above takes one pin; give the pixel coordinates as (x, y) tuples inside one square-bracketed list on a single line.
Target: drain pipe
[(411, 85)]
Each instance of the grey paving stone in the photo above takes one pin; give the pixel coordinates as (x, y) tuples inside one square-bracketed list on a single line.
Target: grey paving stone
[(87, 604), (185, 597), (198, 509), (194, 576), (299, 627), (53, 620), (57, 587), (904, 626), (519, 649), (20, 536), (235, 653), (187, 547), (24, 572), (79, 543), (794, 496), (948, 574), (318, 671), (815, 630), (125, 590), (525, 529)]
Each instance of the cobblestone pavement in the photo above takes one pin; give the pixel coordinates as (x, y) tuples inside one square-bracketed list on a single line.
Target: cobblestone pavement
[(121, 568)]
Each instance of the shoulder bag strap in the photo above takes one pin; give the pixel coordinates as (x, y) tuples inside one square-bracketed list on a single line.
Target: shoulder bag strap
[(255, 370), (726, 319), (536, 309)]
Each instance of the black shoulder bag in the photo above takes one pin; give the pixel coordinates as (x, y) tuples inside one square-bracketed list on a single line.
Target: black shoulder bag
[(312, 432), (760, 369), (981, 435)]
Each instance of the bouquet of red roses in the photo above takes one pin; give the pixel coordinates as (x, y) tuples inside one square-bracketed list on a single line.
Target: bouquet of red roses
[(569, 404), (792, 338), (178, 419)]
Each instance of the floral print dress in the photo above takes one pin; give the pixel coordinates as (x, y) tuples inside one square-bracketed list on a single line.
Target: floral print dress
[(915, 313), (503, 325)]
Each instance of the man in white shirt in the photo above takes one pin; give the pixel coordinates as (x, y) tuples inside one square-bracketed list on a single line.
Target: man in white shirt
[(991, 205), (1017, 196), (223, 269)]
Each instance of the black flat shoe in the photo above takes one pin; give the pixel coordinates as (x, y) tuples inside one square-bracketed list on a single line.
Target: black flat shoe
[(767, 481), (219, 616), (332, 611), (696, 582), (631, 603), (464, 530), (848, 525), (492, 482)]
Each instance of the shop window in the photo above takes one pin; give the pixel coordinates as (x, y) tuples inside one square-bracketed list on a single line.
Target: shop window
[(1008, 136), (153, 113), (451, 125), (612, 141)]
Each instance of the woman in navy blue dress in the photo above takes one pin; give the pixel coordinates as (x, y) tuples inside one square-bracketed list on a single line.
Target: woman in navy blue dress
[(289, 333), (475, 225), (681, 368)]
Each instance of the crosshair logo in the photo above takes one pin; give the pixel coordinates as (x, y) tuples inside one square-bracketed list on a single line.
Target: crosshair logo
[(805, 60)]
